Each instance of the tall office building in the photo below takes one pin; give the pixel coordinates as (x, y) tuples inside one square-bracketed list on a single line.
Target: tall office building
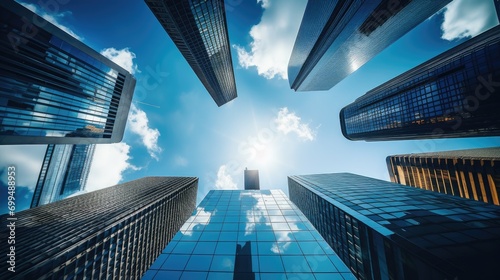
[(53, 88), (199, 30), (113, 233), (454, 94), (337, 37), (65, 169), (383, 230), (473, 174), (247, 235), (251, 179), (497, 7)]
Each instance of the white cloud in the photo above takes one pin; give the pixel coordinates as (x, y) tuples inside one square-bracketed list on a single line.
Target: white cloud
[(108, 165), (287, 122), (54, 18), (138, 123), (181, 161), (273, 38), (27, 159), (467, 18), (123, 57), (224, 180)]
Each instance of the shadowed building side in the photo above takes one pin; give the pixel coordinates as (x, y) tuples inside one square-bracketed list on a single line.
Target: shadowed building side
[(472, 174), (383, 230), (113, 233), (199, 30), (455, 94)]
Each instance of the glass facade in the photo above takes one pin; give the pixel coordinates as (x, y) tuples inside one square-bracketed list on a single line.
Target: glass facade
[(112, 233), (472, 174), (64, 172), (383, 230), (53, 88), (451, 95), (247, 234), (337, 37), (199, 30)]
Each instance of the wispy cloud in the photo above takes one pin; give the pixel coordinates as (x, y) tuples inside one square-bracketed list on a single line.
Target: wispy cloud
[(138, 123), (52, 18), (27, 159), (181, 161), (109, 163), (287, 122), (123, 57), (224, 180), (273, 38), (467, 18)]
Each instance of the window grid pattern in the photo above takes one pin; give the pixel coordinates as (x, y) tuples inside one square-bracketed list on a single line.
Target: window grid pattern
[(247, 235), (113, 233), (199, 30), (49, 87), (438, 234), (464, 176), (451, 95)]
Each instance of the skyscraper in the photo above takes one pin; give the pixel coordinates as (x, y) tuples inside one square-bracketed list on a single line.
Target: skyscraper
[(383, 230), (473, 174), (337, 37), (64, 172), (454, 94), (53, 88), (247, 235), (199, 30), (113, 233), (252, 179)]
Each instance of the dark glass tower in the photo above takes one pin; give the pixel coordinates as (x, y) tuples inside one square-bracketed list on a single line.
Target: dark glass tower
[(454, 94), (337, 37), (473, 174), (113, 233), (53, 88), (247, 235), (65, 169), (199, 30), (252, 179), (383, 230)]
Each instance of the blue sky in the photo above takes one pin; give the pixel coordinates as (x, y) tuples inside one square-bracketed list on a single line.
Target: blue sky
[(176, 129)]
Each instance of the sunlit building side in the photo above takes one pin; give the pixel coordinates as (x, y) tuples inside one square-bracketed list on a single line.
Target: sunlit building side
[(112, 233), (337, 37), (472, 174), (199, 30), (455, 94), (248, 235), (64, 172), (53, 88)]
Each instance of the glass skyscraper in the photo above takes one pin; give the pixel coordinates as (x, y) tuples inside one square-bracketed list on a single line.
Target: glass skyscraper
[(247, 234), (473, 174), (383, 230), (454, 94), (251, 178), (65, 169), (337, 37), (199, 30), (113, 233), (53, 88)]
